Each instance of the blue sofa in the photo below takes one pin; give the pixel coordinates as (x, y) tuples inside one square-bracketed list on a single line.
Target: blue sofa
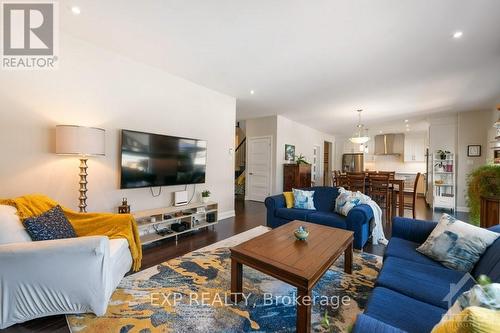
[(358, 219), (411, 288)]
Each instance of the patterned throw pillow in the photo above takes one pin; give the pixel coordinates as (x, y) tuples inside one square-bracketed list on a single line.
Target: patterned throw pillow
[(456, 244), (303, 199), (52, 224)]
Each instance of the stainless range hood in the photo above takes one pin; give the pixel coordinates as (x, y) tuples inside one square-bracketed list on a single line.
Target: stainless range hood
[(389, 144)]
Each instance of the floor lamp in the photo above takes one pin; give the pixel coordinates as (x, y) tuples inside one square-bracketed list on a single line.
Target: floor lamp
[(83, 142)]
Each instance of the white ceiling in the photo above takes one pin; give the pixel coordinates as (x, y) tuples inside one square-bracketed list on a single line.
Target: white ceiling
[(312, 61)]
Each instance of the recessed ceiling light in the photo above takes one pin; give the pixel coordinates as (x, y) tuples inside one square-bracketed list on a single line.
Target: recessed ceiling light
[(406, 120), (380, 132), (252, 92), (458, 34), (407, 125), (407, 129), (76, 10)]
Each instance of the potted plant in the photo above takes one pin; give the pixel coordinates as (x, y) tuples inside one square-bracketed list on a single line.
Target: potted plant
[(205, 196), (442, 153), (300, 159), (439, 167), (482, 182)]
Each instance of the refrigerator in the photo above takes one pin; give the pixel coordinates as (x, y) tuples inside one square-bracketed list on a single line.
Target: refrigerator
[(353, 162)]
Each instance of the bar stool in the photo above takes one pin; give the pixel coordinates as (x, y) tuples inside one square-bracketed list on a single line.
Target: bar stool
[(356, 181)]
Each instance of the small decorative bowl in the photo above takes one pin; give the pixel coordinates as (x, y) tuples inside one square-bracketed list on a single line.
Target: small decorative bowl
[(301, 233)]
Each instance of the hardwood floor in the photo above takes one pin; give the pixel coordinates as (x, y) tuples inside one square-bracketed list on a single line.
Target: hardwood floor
[(248, 215)]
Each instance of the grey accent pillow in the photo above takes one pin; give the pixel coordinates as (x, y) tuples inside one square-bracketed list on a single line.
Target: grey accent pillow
[(52, 224), (456, 244)]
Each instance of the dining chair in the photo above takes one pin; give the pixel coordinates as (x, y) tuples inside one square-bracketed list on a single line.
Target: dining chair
[(391, 174), (380, 192), (335, 178), (411, 194), (392, 190), (368, 175), (356, 181), (342, 180)]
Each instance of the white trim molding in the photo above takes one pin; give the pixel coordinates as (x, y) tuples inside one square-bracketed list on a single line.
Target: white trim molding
[(226, 215), (463, 209)]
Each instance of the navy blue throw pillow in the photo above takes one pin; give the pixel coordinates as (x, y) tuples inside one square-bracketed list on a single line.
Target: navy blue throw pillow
[(52, 224)]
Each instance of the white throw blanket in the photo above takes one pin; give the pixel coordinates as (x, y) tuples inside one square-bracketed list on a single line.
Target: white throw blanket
[(347, 200)]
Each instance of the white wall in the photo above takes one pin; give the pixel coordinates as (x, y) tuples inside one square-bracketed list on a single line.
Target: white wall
[(304, 139), (473, 128), (94, 87), (443, 133)]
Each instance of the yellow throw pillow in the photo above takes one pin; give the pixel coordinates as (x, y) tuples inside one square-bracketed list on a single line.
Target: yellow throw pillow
[(288, 199), (473, 319)]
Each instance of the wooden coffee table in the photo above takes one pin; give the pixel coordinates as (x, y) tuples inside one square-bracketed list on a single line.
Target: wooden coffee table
[(299, 263)]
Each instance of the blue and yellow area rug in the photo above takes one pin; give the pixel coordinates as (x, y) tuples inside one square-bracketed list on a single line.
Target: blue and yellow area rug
[(191, 294)]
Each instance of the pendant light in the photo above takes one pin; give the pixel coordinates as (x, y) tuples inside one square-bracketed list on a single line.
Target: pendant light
[(358, 138)]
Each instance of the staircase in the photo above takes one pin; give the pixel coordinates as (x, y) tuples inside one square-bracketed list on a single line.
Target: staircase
[(239, 168)]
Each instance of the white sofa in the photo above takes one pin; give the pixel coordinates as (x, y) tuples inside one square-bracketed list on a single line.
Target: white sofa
[(74, 275)]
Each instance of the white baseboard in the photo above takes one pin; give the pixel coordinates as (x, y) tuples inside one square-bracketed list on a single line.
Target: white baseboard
[(226, 215), (463, 209)]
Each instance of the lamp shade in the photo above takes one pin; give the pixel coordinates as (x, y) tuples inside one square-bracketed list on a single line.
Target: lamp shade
[(79, 140)]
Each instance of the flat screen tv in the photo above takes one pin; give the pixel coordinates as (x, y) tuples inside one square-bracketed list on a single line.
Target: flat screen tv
[(149, 160)]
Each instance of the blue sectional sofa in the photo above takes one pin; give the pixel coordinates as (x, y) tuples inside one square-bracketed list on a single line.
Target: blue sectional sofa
[(411, 288), (358, 219)]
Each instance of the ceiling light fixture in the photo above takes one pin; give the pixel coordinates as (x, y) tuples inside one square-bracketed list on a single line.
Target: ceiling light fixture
[(252, 92), (458, 34), (406, 120), (76, 10), (407, 125), (357, 138)]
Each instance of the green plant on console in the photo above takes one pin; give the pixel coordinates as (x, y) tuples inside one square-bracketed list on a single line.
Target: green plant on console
[(484, 181), (205, 194)]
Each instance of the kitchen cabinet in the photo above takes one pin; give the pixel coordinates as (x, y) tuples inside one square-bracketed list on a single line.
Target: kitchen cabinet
[(414, 147)]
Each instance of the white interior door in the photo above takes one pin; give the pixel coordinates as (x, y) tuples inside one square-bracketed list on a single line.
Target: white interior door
[(259, 168), (316, 166)]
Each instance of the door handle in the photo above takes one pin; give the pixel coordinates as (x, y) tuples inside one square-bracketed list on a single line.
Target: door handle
[(251, 173)]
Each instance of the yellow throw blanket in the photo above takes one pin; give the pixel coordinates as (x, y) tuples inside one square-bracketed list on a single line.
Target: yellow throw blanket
[(85, 224)]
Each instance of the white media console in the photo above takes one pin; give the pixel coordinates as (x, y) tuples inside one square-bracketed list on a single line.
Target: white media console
[(157, 224)]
